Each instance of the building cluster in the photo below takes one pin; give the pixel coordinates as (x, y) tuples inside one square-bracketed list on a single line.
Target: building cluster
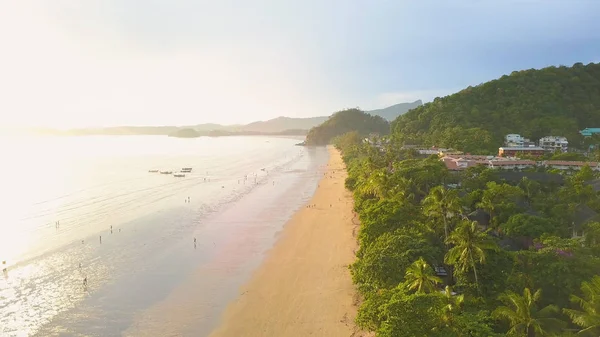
[(376, 140), (516, 145), (458, 161), (462, 162)]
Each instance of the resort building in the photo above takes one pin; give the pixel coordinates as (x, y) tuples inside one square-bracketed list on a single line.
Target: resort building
[(459, 164), (570, 165), (430, 151), (456, 163), (514, 139), (553, 144), (520, 151), (512, 164)]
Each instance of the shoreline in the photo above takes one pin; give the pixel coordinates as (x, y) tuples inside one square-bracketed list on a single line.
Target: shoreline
[(303, 287)]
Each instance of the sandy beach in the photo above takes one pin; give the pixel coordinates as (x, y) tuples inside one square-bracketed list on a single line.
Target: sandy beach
[(303, 288)]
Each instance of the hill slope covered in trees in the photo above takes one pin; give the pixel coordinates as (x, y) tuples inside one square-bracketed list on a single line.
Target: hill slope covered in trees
[(346, 121), (556, 101)]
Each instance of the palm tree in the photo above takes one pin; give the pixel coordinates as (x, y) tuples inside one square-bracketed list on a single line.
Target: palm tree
[(589, 317), (469, 248), (374, 185), (453, 305), (443, 204), (421, 277), (523, 316)]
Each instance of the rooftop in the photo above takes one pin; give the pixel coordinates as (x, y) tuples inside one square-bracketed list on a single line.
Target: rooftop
[(512, 162), (529, 148), (570, 163)]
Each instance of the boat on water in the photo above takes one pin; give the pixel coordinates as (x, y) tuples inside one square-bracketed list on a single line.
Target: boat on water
[(186, 169), (179, 175), (152, 171), (166, 172)]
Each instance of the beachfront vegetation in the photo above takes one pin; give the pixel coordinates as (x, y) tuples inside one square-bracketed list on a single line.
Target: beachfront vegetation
[(475, 253), (346, 121), (556, 101)]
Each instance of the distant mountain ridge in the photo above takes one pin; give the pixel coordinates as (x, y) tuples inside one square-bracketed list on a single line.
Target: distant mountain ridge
[(392, 112), (279, 125)]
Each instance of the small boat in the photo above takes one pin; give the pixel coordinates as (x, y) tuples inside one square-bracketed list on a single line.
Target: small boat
[(179, 175), (262, 169), (166, 172), (152, 171), (186, 169)]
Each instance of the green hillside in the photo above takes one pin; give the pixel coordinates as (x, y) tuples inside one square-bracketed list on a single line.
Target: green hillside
[(556, 101), (346, 121)]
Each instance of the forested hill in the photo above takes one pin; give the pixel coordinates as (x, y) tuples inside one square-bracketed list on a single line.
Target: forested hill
[(556, 101), (346, 121)]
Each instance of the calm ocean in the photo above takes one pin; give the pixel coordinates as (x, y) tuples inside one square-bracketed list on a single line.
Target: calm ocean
[(61, 195)]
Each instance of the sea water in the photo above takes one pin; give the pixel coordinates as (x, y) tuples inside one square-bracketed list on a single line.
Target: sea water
[(86, 208)]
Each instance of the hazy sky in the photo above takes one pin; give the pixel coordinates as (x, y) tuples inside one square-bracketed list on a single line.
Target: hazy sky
[(71, 63)]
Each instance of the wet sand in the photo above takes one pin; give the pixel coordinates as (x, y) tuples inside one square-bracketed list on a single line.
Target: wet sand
[(303, 287)]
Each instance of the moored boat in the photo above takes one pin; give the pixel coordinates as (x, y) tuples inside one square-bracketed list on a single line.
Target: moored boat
[(179, 175)]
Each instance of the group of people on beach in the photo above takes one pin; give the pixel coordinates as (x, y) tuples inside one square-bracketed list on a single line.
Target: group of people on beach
[(187, 200)]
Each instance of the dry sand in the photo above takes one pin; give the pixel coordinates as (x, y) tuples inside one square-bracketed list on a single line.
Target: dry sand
[(304, 288)]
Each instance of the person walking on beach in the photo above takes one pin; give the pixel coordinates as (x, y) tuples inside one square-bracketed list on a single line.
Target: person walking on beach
[(100, 238), (110, 229), (85, 281)]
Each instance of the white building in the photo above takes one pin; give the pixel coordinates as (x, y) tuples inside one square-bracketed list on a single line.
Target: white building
[(552, 143), (514, 140)]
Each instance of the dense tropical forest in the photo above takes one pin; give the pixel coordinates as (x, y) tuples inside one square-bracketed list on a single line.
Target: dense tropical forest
[(477, 253), (346, 121), (556, 101)]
